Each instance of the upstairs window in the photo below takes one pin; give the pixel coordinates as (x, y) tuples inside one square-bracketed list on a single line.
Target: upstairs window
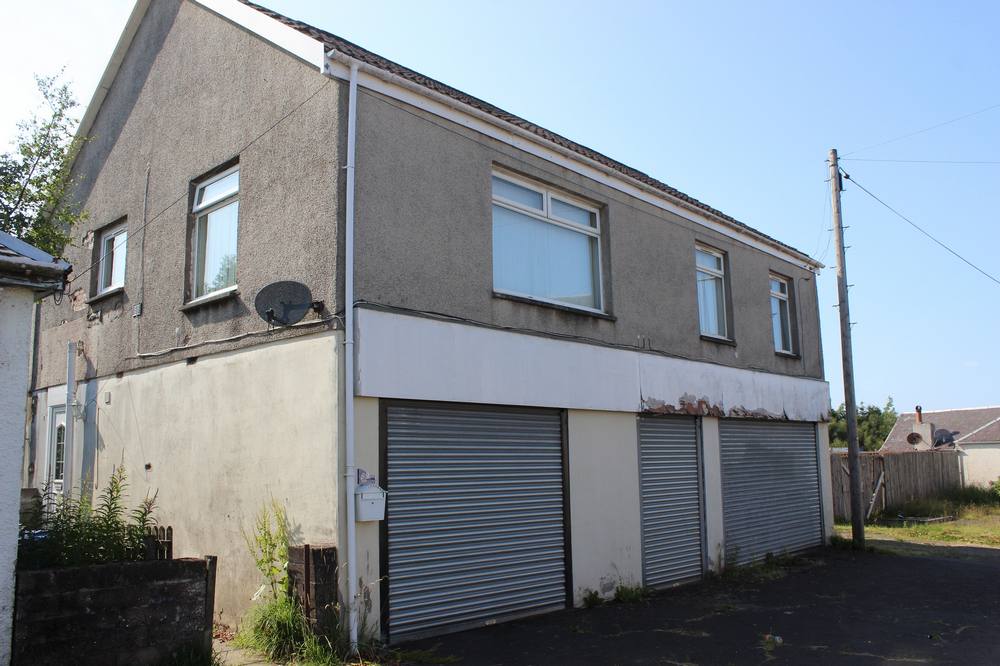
[(111, 264), (546, 245), (781, 314), (710, 271), (216, 210)]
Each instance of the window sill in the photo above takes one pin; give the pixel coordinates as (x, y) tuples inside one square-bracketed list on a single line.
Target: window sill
[(554, 306), (214, 297), (105, 294), (719, 341), (790, 355)]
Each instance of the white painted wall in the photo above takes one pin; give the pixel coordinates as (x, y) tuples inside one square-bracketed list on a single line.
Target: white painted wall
[(711, 462), (222, 437), (366, 434), (401, 356), (825, 479), (605, 520), (15, 349), (981, 463)]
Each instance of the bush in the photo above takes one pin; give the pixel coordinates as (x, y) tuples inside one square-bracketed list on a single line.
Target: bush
[(66, 532), (955, 502)]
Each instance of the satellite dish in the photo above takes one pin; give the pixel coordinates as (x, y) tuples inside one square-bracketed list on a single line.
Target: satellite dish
[(283, 303), (943, 437)]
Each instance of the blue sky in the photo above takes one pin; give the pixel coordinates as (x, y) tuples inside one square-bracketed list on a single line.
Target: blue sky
[(734, 103)]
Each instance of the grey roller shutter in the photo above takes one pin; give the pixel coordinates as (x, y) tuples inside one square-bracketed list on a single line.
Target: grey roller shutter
[(770, 488), (671, 500), (475, 517)]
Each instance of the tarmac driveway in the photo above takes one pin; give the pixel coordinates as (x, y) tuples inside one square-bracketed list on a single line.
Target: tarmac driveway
[(833, 606)]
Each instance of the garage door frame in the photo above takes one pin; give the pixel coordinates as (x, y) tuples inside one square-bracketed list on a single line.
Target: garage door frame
[(702, 516), (384, 404)]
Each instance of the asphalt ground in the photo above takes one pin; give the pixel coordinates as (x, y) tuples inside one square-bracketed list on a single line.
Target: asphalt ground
[(938, 605)]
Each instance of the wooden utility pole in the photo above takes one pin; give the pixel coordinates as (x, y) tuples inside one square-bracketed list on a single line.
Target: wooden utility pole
[(847, 357)]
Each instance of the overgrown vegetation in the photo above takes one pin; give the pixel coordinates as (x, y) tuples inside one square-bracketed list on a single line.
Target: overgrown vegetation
[(592, 598), (629, 594), (35, 179), (276, 626), (874, 424), (976, 510), (65, 532)]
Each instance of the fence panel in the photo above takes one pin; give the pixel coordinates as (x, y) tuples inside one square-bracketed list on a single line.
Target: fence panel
[(907, 476)]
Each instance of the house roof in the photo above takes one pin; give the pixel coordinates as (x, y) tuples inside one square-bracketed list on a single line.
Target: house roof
[(23, 264), (976, 425), (333, 42)]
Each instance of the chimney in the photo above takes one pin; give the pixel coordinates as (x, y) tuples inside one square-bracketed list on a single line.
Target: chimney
[(924, 432), (920, 414)]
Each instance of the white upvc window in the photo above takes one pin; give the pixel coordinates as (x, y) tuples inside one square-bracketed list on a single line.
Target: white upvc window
[(546, 245), (781, 314), (710, 273), (216, 211), (113, 253)]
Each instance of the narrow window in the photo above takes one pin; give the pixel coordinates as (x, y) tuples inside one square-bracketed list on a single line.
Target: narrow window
[(113, 252), (710, 271), (781, 314), (216, 208), (545, 245), (59, 459)]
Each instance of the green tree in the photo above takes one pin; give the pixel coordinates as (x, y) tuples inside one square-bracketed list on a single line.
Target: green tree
[(874, 424), (35, 176)]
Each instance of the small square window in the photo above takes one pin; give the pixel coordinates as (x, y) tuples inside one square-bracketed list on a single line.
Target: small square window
[(216, 210), (113, 253), (710, 273)]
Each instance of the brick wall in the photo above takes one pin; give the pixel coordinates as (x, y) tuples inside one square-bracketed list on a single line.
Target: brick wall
[(120, 613)]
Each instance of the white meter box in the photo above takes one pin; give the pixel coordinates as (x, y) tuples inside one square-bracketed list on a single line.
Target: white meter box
[(369, 503)]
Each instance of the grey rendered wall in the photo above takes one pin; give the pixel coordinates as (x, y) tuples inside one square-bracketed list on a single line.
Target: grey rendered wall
[(193, 92), (424, 243)]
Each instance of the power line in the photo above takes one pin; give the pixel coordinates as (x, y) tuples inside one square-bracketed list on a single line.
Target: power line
[(919, 228), (173, 203), (957, 162), (921, 131)]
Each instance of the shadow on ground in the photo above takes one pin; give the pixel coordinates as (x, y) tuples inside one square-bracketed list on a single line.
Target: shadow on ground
[(834, 606)]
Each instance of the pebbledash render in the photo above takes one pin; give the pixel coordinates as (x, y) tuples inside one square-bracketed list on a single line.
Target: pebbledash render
[(567, 375)]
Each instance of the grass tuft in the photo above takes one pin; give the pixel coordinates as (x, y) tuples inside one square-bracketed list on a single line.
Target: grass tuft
[(630, 594)]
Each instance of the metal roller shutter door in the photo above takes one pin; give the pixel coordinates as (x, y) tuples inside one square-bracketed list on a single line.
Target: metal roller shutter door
[(475, 517), (671, 500), (770, 488)]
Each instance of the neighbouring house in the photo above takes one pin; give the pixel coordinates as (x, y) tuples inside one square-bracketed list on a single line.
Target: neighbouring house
[(567, 374), (25, 273), (974, 432)]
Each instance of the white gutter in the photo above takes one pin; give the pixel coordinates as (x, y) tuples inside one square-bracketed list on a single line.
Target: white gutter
[(350, 471)]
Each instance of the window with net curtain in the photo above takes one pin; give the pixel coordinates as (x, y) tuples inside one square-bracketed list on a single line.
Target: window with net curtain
[(545, 245), (710, 272), (113, 249), (216, 210)]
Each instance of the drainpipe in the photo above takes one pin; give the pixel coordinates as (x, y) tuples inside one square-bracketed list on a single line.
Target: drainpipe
[(350, 471)]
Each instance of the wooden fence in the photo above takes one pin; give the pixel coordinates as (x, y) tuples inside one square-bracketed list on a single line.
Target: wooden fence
[(897, 477)]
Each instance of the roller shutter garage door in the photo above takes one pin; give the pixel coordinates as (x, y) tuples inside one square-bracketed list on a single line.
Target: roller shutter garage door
[(770, 488), (671, 500), (475, 528)]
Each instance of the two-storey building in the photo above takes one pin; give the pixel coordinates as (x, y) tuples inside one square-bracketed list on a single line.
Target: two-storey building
[(568, 375)]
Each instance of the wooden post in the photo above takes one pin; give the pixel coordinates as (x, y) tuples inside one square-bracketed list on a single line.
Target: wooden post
[(847, 356)]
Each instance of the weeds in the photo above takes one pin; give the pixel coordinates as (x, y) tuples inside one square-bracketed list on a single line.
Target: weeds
[(64, 531), (592, 599), (268, 545), (629, 594)]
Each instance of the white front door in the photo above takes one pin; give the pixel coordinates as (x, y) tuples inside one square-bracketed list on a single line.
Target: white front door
[(56, 473)]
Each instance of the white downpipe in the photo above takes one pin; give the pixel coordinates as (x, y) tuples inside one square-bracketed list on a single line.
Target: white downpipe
[(350, 473)]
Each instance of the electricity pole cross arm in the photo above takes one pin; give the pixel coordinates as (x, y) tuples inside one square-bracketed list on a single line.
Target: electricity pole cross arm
[(847, 358)]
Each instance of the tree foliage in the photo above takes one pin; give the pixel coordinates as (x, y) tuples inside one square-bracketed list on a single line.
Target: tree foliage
[(35, 178), (874, 424)]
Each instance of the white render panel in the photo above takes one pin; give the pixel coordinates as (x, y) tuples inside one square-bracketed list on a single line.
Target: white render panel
[(418, 358), (15, 352)]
